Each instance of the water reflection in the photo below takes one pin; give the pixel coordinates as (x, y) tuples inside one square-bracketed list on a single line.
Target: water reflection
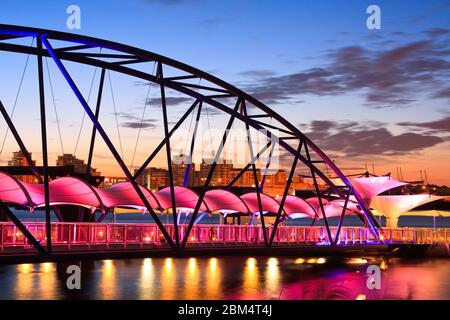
[(191, 285), (146, 280), (47, 280), (250, 279), (232, 278), (108, 280), (213, 280), (167, 280), (25, 281), (272, 278)]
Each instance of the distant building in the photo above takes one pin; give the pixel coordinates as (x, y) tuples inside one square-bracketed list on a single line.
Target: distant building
[(111, 180), (275, 181), (70, 160), (223, 173), (179, 167), (179, 173), (79, 166), (154, 178), (18, 160)]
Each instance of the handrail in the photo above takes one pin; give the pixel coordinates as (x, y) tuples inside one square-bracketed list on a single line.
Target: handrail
[(73, 234)]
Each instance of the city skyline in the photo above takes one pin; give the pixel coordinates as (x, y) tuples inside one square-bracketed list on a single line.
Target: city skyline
[(156, 178), (364, 96)]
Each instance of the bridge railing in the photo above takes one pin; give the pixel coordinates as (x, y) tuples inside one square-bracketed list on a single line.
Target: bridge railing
[(111, 234)]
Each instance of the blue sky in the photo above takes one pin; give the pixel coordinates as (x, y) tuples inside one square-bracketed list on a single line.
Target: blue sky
[(302, 48)]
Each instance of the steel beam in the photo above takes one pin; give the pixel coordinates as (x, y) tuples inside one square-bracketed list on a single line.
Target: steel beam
[(94, 130), (58, 214), (210, 174), (264, 176), (44, 147), (316, 186), (22, 229), (285, 193), (255, 174), (163, 142), (191, 151), (244, 170), (341, 219), (19, 141), (266, 125), (169, 155), (106, 139)]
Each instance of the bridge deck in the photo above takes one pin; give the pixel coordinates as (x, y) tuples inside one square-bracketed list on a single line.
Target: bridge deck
[(84, 241), (68, 237)]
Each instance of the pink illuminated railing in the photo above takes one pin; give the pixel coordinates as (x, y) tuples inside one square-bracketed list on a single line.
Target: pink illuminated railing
[(111, 235)]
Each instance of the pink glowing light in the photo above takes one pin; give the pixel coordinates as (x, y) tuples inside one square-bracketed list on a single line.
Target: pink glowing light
[(184, 198), (268, 203), (223, 200)]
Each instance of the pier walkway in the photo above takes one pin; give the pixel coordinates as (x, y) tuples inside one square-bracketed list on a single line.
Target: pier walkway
[(72, 237)]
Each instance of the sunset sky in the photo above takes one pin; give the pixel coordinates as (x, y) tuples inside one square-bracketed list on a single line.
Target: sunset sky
[(364, 96)]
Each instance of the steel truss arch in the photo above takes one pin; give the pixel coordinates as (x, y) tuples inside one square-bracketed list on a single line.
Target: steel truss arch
[(74, 50)]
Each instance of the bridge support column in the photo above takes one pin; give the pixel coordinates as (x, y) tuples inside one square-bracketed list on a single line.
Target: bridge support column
[(392, 222)]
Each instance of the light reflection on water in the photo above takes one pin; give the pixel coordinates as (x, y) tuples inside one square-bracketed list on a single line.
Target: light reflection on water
[(231, 278), (145, 283), (108, 280)]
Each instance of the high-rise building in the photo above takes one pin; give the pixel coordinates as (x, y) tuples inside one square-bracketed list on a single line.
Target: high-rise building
[(223, 173), (247, 179), (154, 178), (275, 179), (179, 173), (18, 160), (179, 167), (70, 160)]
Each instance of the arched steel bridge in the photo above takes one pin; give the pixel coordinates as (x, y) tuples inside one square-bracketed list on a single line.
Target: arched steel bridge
[(107, 55)]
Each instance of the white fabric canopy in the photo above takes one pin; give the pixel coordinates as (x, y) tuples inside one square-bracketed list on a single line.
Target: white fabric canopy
[(372, 186), (427, 213), (392, 207)]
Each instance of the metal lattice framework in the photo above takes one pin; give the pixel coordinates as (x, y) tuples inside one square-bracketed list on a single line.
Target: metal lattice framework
[(107, 55)]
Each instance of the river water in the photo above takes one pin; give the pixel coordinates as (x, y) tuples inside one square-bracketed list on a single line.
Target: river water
[(236, 277)]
